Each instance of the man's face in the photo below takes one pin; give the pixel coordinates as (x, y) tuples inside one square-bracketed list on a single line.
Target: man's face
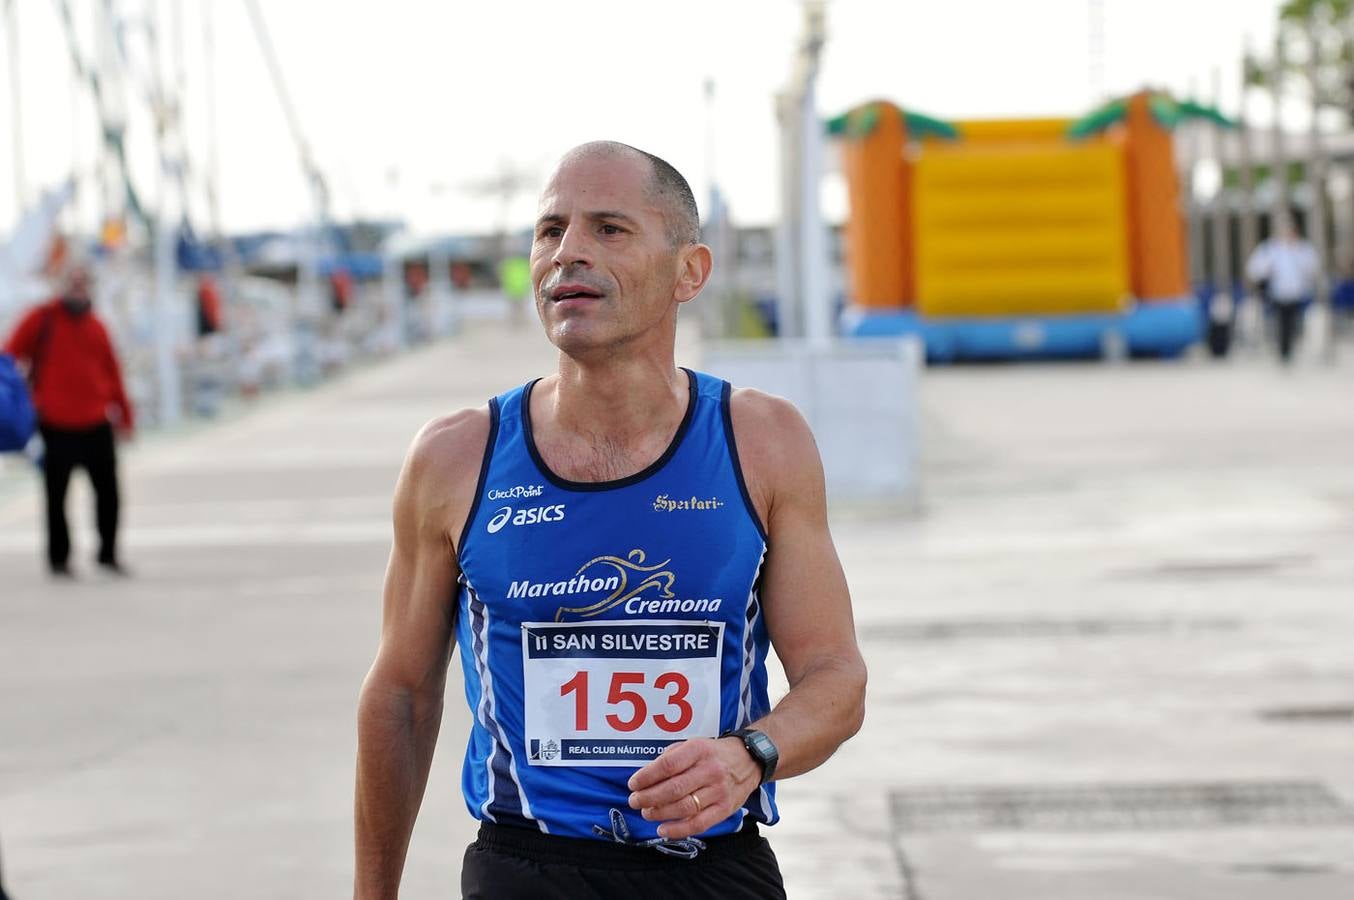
[(602, 266), (76, 293)]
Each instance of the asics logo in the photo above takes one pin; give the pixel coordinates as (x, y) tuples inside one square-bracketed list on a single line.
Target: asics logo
[(529, 516), (500, 519)]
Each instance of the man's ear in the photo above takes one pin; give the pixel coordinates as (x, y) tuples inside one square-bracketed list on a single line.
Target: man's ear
[(694, 265)]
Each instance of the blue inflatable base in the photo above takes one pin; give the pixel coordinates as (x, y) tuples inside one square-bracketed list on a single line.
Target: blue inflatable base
[(1160, 328)]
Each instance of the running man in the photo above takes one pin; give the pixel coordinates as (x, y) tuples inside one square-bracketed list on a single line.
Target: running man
[(614, 548)]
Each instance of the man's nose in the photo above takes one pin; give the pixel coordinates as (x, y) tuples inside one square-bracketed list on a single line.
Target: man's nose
[(574, 248)]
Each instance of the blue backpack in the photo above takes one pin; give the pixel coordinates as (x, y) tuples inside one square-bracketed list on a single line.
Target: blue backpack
[(18, 420)]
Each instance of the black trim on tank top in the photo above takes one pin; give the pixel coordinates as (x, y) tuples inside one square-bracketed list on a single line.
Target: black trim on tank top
[(484, 476), (636, 478), (725, 395)]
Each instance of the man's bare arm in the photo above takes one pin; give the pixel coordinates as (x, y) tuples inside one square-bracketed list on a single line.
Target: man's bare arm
[(400, 708), (808, 616)]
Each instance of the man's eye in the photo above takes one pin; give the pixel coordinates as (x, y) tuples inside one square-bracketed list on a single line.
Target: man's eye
[(553, 231), (611, 229)]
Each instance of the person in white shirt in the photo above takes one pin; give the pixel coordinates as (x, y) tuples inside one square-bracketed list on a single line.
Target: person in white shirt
[(1290, 266)]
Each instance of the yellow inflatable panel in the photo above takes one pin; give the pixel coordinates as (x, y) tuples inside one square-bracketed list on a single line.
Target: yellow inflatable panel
[(1036, 246), (984, 130), (1067, 211), (1020, 229), (1023, 165), (1027, 292)]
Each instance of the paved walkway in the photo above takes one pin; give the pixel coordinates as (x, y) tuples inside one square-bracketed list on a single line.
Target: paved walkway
[(1122, 577)]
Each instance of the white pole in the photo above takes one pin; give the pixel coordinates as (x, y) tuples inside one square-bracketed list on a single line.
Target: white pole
[(1316, 180), (1245, 162), (230, 262), (392, 295), (15, 109), (1343, 263), (441, 317), (209, 94), (1278, 164), (713, 314), (309, 304), (787, 230), (814, 261), (71, 214), (1220, 259), (166, 273), (166, 365), (1194, 212)]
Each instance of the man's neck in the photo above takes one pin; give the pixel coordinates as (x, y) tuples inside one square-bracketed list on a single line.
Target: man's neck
[(623, 398)]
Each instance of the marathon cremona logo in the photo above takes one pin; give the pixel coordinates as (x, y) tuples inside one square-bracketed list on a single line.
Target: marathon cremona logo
[(530, 515), (637, 588), (664, 503)]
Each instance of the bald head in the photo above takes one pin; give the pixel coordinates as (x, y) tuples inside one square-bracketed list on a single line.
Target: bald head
[(667, 189)]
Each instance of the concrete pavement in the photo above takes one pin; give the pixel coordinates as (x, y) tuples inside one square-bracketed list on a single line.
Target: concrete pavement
[(190, 732), (1122, 577)]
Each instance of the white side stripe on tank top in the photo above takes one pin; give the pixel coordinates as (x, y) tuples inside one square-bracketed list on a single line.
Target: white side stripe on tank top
[(486, 712), (478, 644), (753, 618), (753, 615)]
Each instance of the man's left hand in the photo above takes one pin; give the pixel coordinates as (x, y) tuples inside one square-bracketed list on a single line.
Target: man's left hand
[(694, 785)]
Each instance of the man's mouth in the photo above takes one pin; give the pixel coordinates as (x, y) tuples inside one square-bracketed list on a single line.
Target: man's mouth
[(574, 292)]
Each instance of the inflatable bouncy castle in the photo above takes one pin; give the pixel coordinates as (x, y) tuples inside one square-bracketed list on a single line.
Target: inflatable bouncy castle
[(1019, 238)]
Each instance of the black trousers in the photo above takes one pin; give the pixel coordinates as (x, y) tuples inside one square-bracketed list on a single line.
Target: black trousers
[(515, 864), (92, 449), (1290, 321)]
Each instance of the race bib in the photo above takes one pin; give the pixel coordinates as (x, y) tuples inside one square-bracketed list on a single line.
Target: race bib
[(616, 693)]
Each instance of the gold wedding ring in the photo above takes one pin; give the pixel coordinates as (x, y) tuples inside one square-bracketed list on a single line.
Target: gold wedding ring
[(696, 800)]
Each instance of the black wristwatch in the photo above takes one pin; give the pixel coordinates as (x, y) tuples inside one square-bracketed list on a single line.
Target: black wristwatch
[(761, 748)]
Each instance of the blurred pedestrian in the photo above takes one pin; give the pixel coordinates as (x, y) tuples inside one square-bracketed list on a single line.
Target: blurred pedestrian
[(208, 306), (81, 402), (340, 291), (1289, 266)]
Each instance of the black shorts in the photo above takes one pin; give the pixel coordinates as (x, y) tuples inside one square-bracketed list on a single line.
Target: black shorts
[(508, 863)]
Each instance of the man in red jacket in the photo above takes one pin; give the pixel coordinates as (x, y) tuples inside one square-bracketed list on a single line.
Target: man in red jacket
[(80, 400)]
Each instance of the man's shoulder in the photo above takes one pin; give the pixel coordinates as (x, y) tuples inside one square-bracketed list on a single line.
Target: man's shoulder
[(25, 326), (37, 313), (766, 420), (775, 444), (450, 447)]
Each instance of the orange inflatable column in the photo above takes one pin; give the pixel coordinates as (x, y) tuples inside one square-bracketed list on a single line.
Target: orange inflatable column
[(879, 228), (1156, 231), (906, 248)]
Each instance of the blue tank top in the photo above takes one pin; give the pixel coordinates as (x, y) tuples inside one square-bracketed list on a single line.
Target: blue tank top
[(599, 622)]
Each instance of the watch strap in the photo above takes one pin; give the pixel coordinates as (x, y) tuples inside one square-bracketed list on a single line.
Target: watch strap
[(756, 742)]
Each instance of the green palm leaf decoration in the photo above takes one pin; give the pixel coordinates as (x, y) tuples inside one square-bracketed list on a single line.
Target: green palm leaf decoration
[(862, 120), (1168, 112)]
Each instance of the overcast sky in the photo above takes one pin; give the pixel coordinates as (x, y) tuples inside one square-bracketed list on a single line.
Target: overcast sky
[(409, 105)]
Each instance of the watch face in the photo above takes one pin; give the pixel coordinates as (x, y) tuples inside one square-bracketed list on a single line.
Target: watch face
[(763, 744)]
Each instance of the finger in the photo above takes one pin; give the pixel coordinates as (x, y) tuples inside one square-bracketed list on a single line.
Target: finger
[(698, 824), (673, 790), (677, 758), (690, 803)]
